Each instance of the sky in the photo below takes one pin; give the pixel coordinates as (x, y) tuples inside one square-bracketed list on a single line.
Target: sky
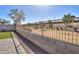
[(35, 13)]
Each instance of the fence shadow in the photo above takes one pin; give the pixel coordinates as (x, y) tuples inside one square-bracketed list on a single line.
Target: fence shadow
[(32, 46)]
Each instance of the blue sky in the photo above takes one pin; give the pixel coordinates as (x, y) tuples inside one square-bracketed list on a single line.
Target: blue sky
[(35, 13)]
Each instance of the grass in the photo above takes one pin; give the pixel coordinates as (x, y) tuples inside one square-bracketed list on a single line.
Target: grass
[(5, 35)]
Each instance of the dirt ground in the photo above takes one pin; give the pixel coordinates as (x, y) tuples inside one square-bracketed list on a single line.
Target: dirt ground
[(67, 36)]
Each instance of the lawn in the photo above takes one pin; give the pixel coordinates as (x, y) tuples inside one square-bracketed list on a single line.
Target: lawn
[(4, 35)]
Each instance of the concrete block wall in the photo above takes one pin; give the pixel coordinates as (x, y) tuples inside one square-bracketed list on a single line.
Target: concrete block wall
[(7, 27), (50, 45)]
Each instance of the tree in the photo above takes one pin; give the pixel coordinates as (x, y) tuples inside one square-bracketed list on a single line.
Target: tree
[(42, 26), (68, 18), (50, 23), (5, 21), (17, 15), (29, 24)]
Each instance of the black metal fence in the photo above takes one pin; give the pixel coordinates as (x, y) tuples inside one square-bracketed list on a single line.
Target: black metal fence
[(67, 32)]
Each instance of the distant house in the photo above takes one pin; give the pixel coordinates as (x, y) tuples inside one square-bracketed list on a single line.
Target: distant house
[(1, 22)]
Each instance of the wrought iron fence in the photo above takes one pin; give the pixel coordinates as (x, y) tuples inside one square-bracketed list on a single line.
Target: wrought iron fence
[(66, 32)]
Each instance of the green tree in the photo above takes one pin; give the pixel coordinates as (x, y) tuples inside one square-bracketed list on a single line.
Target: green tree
[(50, 23), (68, 18), (17, 15), (42, 25), (29, 24), (6, 22)]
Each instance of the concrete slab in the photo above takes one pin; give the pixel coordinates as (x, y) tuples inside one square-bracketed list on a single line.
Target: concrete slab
[(7, 46), (19, 47), (11, 46)]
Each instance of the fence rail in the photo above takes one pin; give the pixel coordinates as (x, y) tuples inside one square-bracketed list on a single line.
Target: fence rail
[(67, 32), (53, 38)]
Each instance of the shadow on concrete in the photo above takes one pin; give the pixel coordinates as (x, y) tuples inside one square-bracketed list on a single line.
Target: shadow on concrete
[(32, 46)]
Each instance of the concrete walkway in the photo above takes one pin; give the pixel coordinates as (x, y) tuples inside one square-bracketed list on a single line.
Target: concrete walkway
[(18, 46), (11, 46), (7, 46)]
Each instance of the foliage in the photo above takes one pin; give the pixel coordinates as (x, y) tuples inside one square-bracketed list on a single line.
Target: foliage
[(50, 23), (4, 21), (68, 18), (17, 15)]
